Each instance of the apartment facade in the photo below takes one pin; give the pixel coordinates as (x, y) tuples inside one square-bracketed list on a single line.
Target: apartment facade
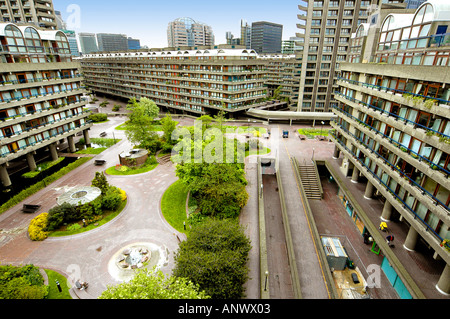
[(325, 28), (205, 80), (37, 12), (40, 96), (393, 123), (188, 32)]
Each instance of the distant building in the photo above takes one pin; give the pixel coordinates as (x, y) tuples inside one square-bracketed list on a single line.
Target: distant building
[(414, 4), (88, 43), (108, 42), (134, 44), (232, 40), (246, 34), (60, 24), (266, 37), (188, 32), (291, 46), (73, 44)]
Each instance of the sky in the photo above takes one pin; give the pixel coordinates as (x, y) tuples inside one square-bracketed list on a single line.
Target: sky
[(148, 20)]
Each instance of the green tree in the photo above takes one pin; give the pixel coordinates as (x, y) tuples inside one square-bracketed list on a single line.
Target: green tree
[(215, 258), (101, 182), (168, 126), (148, 285), (21, 283), (140, 126)]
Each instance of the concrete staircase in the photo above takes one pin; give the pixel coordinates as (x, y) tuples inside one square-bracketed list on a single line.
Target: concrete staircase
[(310, 181)]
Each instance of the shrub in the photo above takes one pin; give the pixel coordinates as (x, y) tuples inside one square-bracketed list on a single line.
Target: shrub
[(98, 117), (112, 199), (61, 214), (22, 283), (37, 227), (100, 182), (74, 227), (123, 195), (92, 210)]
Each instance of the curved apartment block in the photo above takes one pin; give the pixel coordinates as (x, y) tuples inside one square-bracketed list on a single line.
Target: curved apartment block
[(195, 81), (40, 95), (393, 122)]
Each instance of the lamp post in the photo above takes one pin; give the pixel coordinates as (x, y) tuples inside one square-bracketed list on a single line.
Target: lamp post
[(267, 277), (321, 129)]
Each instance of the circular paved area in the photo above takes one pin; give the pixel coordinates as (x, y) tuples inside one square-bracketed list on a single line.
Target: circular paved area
[(86, 256)]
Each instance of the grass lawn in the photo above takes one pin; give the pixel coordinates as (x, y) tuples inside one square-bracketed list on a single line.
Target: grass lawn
[(107, 217), (53, 291), (264, 151), (131, 171), (92, 150), (312, 132), (173, 205)]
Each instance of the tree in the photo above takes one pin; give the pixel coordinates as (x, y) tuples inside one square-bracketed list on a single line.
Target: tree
[(101, 182), (140, 126), (154, 285), (168, 126), (215, 258)]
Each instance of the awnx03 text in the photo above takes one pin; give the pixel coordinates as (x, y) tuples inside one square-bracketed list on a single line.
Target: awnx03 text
[(225, 309)]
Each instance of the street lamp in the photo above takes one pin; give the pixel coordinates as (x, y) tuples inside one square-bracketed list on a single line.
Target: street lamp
[(321, 130), (265, 284)]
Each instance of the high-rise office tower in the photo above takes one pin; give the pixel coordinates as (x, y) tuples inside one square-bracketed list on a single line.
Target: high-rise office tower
[(266, 37), (108, 42), (88, 42), (73, 44), (326, 26), (246, 34), (188, 32), (134, 44), (37, 12)]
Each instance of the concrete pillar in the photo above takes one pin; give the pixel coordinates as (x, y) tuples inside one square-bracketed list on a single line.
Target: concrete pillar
[(411, 239), (31, 162), (53, 151), (355, 175), (71, 141), (443, 284), (337, 152), (87, 139), (369, 190), (6, 181), (387, 211)]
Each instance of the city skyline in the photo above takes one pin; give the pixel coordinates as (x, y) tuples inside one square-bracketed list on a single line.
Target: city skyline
[(97, 17)]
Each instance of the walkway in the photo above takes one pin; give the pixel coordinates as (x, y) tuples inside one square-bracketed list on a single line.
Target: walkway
[(86, 256)]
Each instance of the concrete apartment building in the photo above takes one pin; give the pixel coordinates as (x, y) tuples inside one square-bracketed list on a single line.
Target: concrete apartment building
[(37, 12), (187, 32), (266, 37), (325, 28), (196, 81), (40, 96), (393, 123)]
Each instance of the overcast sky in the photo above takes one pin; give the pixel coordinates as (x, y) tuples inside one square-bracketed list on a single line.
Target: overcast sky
[(148, 20)]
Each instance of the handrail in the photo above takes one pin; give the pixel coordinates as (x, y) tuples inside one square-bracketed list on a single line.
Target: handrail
[(24, 81), (405, 205), (390, 89), (391, 114), (411, 181), (40, 94)]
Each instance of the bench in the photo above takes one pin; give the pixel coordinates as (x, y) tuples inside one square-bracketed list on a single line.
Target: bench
[(30, 209), (103, 134), (99, 162)]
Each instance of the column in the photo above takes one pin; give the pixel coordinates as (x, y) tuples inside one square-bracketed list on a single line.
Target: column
[(6, 181), (337, 152), (411, 239), (87, 139), (387, 211), (369, 190), (53, 151), (355, 175), (31, 162), (443, 284), (70, 140)]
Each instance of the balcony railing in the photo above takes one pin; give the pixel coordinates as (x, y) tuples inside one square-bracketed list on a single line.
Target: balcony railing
[(394, 167), (4, 100), (39, 79), (388, 189), (395, 116)]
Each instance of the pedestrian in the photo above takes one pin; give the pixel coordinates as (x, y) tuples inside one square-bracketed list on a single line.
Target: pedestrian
[(58, 285), (366, 238), (389, 239)]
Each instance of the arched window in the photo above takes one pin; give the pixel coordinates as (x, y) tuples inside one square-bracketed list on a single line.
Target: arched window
[(62, 43), (425, 14), (33, 41), (387, 22), (14, 39)]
